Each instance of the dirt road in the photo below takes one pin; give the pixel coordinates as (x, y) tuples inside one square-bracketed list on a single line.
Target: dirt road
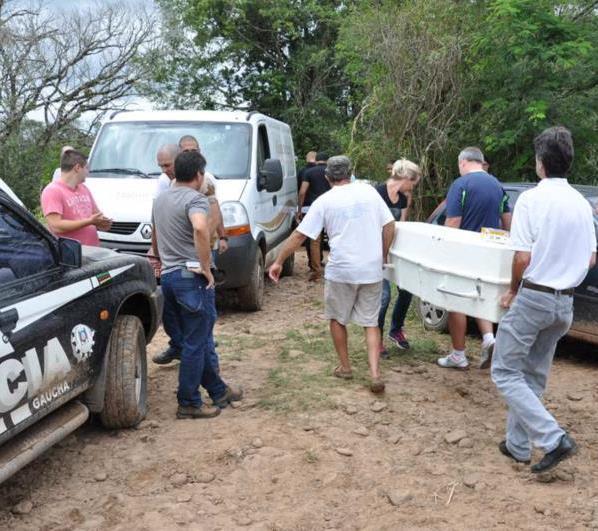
[(305, 451)]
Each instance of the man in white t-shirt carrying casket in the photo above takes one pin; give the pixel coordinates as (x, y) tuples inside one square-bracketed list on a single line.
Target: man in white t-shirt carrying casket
[(553, 236), (360, 231)]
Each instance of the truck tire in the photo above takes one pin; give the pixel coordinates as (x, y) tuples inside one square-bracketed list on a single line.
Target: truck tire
[(433, 317), (288, 266), (126, 375), (251, 297)]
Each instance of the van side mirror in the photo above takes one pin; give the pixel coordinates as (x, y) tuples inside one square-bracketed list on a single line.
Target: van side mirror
[(270, 176), (70, 252)]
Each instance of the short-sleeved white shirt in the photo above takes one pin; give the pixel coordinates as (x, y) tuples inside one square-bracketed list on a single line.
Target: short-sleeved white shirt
[(162, 184), (555, 223), (353, 216)]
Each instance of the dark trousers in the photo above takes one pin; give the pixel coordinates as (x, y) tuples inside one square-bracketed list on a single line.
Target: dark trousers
[(399, 311)]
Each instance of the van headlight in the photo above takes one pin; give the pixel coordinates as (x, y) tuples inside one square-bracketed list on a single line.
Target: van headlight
[(235, 219)]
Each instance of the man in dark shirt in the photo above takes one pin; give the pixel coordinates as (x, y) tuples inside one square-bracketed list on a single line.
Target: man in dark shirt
[(313, 186), (310, 162), (474, 200)]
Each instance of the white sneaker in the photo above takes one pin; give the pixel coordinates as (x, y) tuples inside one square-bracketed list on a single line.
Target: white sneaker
[(453, 362), (486, 355)]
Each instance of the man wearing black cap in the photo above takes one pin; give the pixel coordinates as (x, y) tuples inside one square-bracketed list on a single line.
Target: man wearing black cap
[(313, 186)]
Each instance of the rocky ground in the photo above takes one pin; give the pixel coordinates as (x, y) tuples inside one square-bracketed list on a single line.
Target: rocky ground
[(305, 451)]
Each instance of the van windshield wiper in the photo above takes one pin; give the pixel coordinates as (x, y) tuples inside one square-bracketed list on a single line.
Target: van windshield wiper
[(123, 171)]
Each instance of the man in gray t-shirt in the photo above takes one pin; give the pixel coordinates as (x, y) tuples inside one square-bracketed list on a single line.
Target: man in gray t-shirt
[(172, 213), (181, 235)]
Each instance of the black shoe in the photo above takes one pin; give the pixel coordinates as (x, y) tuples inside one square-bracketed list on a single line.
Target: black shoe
[(505, 451), (565, 449), (167, 356)]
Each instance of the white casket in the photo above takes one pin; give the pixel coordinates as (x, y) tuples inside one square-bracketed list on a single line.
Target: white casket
[(457, 270)]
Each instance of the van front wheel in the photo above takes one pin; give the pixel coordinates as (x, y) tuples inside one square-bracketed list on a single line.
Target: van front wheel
[(251, 297)]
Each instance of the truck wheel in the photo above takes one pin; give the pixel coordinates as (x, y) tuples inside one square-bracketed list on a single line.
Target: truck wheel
[(126, 375), (288, 266), (251, 297), (433, 317)]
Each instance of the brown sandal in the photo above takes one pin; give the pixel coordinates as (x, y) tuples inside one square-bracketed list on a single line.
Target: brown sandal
[(377, 385), (340, 373)]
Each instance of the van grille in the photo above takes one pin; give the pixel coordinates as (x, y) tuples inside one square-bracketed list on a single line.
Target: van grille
[(123, 227)]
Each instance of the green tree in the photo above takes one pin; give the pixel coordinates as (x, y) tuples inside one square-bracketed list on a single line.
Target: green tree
[(533, 64), (407, 59), (275, 57), (27, 164)]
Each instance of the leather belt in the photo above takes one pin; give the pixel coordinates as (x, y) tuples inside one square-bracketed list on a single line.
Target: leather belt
[(538, 287)]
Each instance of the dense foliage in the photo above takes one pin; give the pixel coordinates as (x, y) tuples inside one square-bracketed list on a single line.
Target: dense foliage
[(379, 80)]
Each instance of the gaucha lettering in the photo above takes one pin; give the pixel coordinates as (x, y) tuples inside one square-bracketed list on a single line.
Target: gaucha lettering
[(13, 388)]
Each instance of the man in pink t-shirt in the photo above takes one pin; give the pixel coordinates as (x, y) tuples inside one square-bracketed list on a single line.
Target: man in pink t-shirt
[(68, 205)]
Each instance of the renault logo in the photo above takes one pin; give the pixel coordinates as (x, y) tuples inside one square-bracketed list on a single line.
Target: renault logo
[(146, 231)]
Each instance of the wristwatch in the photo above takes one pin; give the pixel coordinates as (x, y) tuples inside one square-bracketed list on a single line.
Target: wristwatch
[(223, 238)]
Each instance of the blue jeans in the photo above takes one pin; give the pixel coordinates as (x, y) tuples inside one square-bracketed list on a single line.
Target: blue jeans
[(173, 330), (189, 317), (399, 311)]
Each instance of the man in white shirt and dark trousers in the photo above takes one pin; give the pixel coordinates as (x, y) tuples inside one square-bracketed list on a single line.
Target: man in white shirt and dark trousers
[(360, 231), (553, 236)]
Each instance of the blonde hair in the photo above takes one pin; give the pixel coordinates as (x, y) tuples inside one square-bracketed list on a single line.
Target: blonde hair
[(405, 169)]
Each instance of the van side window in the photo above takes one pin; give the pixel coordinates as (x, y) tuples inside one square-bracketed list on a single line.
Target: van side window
[(263, 147), (23, 252)]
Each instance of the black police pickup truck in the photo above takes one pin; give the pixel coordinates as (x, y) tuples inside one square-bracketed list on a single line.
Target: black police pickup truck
[(74, 324)]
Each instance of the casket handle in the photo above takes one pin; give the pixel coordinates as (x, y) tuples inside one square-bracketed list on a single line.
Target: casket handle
[(470, 295)]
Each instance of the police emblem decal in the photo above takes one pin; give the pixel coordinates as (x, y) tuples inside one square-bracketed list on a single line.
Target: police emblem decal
[(82, 341)]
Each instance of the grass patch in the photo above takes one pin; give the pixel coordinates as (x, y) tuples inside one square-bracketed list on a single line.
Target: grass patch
[(301, 380), (233, 347)]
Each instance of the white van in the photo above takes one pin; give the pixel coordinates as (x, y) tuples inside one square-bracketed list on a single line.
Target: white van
[(250, 155)]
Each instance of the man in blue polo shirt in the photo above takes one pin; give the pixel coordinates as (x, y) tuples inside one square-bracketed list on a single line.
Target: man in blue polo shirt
[(474, 200)]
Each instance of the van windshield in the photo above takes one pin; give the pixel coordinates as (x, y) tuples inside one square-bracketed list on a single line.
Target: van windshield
[(128, 149)]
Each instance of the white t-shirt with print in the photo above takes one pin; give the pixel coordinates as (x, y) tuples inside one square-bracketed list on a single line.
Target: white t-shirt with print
[(353, 216), (554, 222)]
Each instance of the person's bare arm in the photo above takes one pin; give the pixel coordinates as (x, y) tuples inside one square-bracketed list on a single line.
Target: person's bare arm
[(388, 234), (214, 217), (58, 225), (406, 210), (201, 238), (506, 220), (293, 242), (455, 223), (521, 260), (154, 247), (221, 233), (593, 260)]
